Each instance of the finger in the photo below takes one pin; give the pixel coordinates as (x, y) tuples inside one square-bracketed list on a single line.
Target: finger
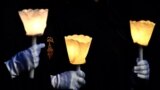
[(81, 81), (143, 76), (142, 67), (37, 48), (81, 73), (144, 72), (41, 45)]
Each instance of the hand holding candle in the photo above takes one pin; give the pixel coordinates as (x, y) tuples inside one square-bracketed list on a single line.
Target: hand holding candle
[(34, 22)]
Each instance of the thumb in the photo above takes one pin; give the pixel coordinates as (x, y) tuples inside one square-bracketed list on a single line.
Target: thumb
[(137, 60), (41, 45), (81, 73)]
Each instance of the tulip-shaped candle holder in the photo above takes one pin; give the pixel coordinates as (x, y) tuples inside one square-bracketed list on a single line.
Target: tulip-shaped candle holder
[(141, 32), (34, 22), (77, 48)]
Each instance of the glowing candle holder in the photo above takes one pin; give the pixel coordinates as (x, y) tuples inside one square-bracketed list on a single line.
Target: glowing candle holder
[(34, 22), (77, 48), (141, 32)]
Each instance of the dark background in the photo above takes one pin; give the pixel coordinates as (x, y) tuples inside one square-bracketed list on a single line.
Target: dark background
[(82, 17)]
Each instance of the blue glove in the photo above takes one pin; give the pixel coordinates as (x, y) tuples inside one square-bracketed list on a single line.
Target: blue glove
[(24, 60), (68, 80), (142, 69)]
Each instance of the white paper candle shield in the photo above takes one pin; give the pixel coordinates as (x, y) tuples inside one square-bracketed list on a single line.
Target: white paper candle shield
[(77, 48), (141, 31), (34, 20)]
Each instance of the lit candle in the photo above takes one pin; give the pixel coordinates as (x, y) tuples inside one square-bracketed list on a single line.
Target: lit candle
[(77, 48)]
